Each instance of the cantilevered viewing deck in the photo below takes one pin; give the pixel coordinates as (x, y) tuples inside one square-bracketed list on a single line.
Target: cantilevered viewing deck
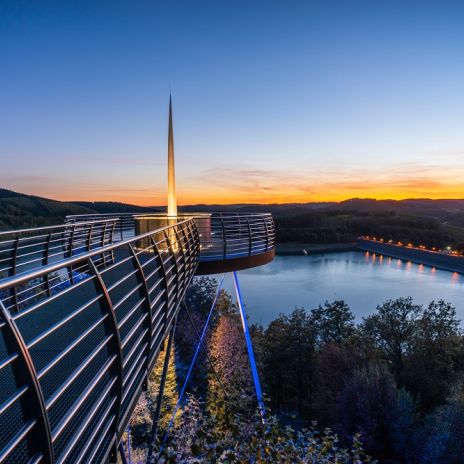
[(228, 241), (84, 310)]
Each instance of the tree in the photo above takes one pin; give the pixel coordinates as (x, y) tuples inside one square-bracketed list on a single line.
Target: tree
[(436, 358), (230, 387), (393, 329), (370, 404), (441, 438), (333, 364), (287, 361), (333, 322), (197, 439)]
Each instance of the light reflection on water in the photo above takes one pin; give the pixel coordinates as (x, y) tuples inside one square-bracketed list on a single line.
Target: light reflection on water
[(363, 280)]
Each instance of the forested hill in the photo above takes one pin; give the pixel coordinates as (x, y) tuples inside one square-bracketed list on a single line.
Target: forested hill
[(442, 210), (115, 207), (18, 210), (432, 222)]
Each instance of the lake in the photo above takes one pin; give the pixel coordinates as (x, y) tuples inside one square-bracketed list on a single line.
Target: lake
[(363, 280)]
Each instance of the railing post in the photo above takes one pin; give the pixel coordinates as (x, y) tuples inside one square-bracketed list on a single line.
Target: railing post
[(176, 279), (188, 236), (183, 260), (33, 401), (267, 232), (113, 228), (111, 326), (70, 253), (45, 260), (14, 258), (224, 238), (250, 241), (102, 242), (89, 238), (149, 323), (165, 279)]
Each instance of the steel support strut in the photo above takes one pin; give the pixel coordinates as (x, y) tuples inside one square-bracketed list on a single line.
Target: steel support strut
[(159, 399), (251, 356)]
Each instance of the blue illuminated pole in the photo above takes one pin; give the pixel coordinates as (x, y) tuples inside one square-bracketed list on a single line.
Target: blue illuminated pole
[(129, 445), (246, 331), (192, 363)]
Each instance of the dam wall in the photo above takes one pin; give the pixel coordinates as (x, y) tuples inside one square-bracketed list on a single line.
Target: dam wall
[(416, 255)]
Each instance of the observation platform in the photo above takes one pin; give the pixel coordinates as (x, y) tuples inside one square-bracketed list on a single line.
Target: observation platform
[(228, 241), (84, 310)]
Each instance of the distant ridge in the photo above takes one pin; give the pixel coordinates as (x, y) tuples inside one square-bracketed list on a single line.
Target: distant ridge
[(18, 210), (22, 210), (115, 207)]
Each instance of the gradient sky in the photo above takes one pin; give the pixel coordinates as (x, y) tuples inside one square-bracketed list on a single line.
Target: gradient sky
[(274, 101)]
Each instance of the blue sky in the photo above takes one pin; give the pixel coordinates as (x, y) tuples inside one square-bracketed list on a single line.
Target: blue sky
[(273, 101)]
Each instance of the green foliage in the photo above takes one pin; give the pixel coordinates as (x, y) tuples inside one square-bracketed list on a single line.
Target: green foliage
[(423, 346), (197, 439), (288, 347), (392, 329), (333, 322), (441, 437), (18, 210), (346, 225), (370, 404), (378, 378), (22, 211), (393, 382), (230, 387)]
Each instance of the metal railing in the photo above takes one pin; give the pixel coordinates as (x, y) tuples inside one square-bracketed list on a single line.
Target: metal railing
[(223, 236), (74, 353), (25, 249), (236, 235), (125, 224)]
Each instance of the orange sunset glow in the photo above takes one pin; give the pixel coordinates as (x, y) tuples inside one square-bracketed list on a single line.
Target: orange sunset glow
[(227, 185)]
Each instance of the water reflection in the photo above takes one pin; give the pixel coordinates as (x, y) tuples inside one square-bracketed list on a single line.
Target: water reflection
[(363, 280)]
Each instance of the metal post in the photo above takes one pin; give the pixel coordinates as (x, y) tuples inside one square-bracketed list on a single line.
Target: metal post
[(224, 238), (89, 238), (13, 290), (111, 326), (250, 238), (70, 253), (144, 293), (129, 451), (173, 257), (122, 452), (267, 233), (45, 262), (251, 356), (159, 399), (33, 403)]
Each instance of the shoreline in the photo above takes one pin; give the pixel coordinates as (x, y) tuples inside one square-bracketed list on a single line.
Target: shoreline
[(296, 248), (427, 258)]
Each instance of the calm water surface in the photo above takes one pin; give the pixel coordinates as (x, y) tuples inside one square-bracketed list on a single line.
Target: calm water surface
[(363, 280)]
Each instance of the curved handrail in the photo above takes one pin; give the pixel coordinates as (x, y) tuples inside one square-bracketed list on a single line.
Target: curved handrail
[(57, 226), (91, 342), (224, 236), (25, 249), (125, 224)]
